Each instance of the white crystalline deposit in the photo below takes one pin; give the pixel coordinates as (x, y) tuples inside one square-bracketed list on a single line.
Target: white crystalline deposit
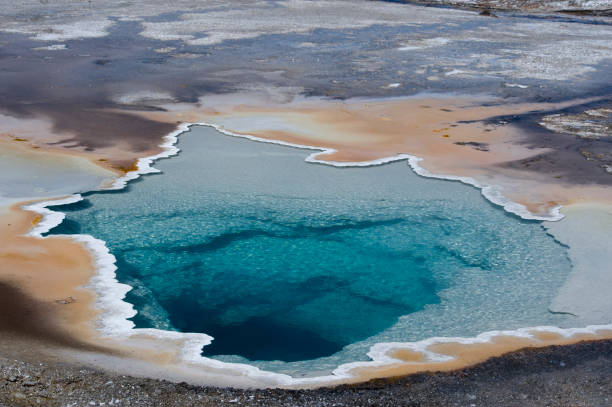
[(62, 32), (292, 16)]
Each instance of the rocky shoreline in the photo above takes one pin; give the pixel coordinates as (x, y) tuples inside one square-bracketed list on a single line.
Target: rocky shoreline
[(572, 375), (577, 7)]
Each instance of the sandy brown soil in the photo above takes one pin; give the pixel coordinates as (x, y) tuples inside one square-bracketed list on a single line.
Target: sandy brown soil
[(41, 282), (112, 140)]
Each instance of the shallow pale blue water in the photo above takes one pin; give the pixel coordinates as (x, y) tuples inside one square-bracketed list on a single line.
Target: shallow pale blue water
[(300, 267)]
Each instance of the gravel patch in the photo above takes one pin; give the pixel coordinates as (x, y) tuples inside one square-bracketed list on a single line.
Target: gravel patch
[(574, 375)]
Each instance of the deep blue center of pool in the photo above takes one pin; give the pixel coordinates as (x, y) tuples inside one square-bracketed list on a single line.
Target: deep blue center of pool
[(279, 259)]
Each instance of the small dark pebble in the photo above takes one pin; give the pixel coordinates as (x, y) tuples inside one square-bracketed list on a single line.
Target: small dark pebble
[(487, 13)]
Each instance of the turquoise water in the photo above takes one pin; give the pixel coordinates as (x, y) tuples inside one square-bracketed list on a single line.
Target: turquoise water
[(299, 267)]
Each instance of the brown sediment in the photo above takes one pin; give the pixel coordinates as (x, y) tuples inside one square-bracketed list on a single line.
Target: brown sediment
[(126, 169), (103, 131), (95, 128), (114, 141), (8, 143), (27, 318), (36, 278)]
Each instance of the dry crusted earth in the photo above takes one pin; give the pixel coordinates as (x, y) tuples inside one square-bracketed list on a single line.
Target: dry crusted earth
[(574, 375), (584, 7)]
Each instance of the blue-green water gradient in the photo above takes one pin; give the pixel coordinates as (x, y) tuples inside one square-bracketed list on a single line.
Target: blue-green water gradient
[(299, 267)]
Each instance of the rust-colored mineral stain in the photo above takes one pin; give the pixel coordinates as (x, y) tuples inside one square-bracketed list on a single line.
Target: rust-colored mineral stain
[(466, 354), (125, 170), (36, 219)]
